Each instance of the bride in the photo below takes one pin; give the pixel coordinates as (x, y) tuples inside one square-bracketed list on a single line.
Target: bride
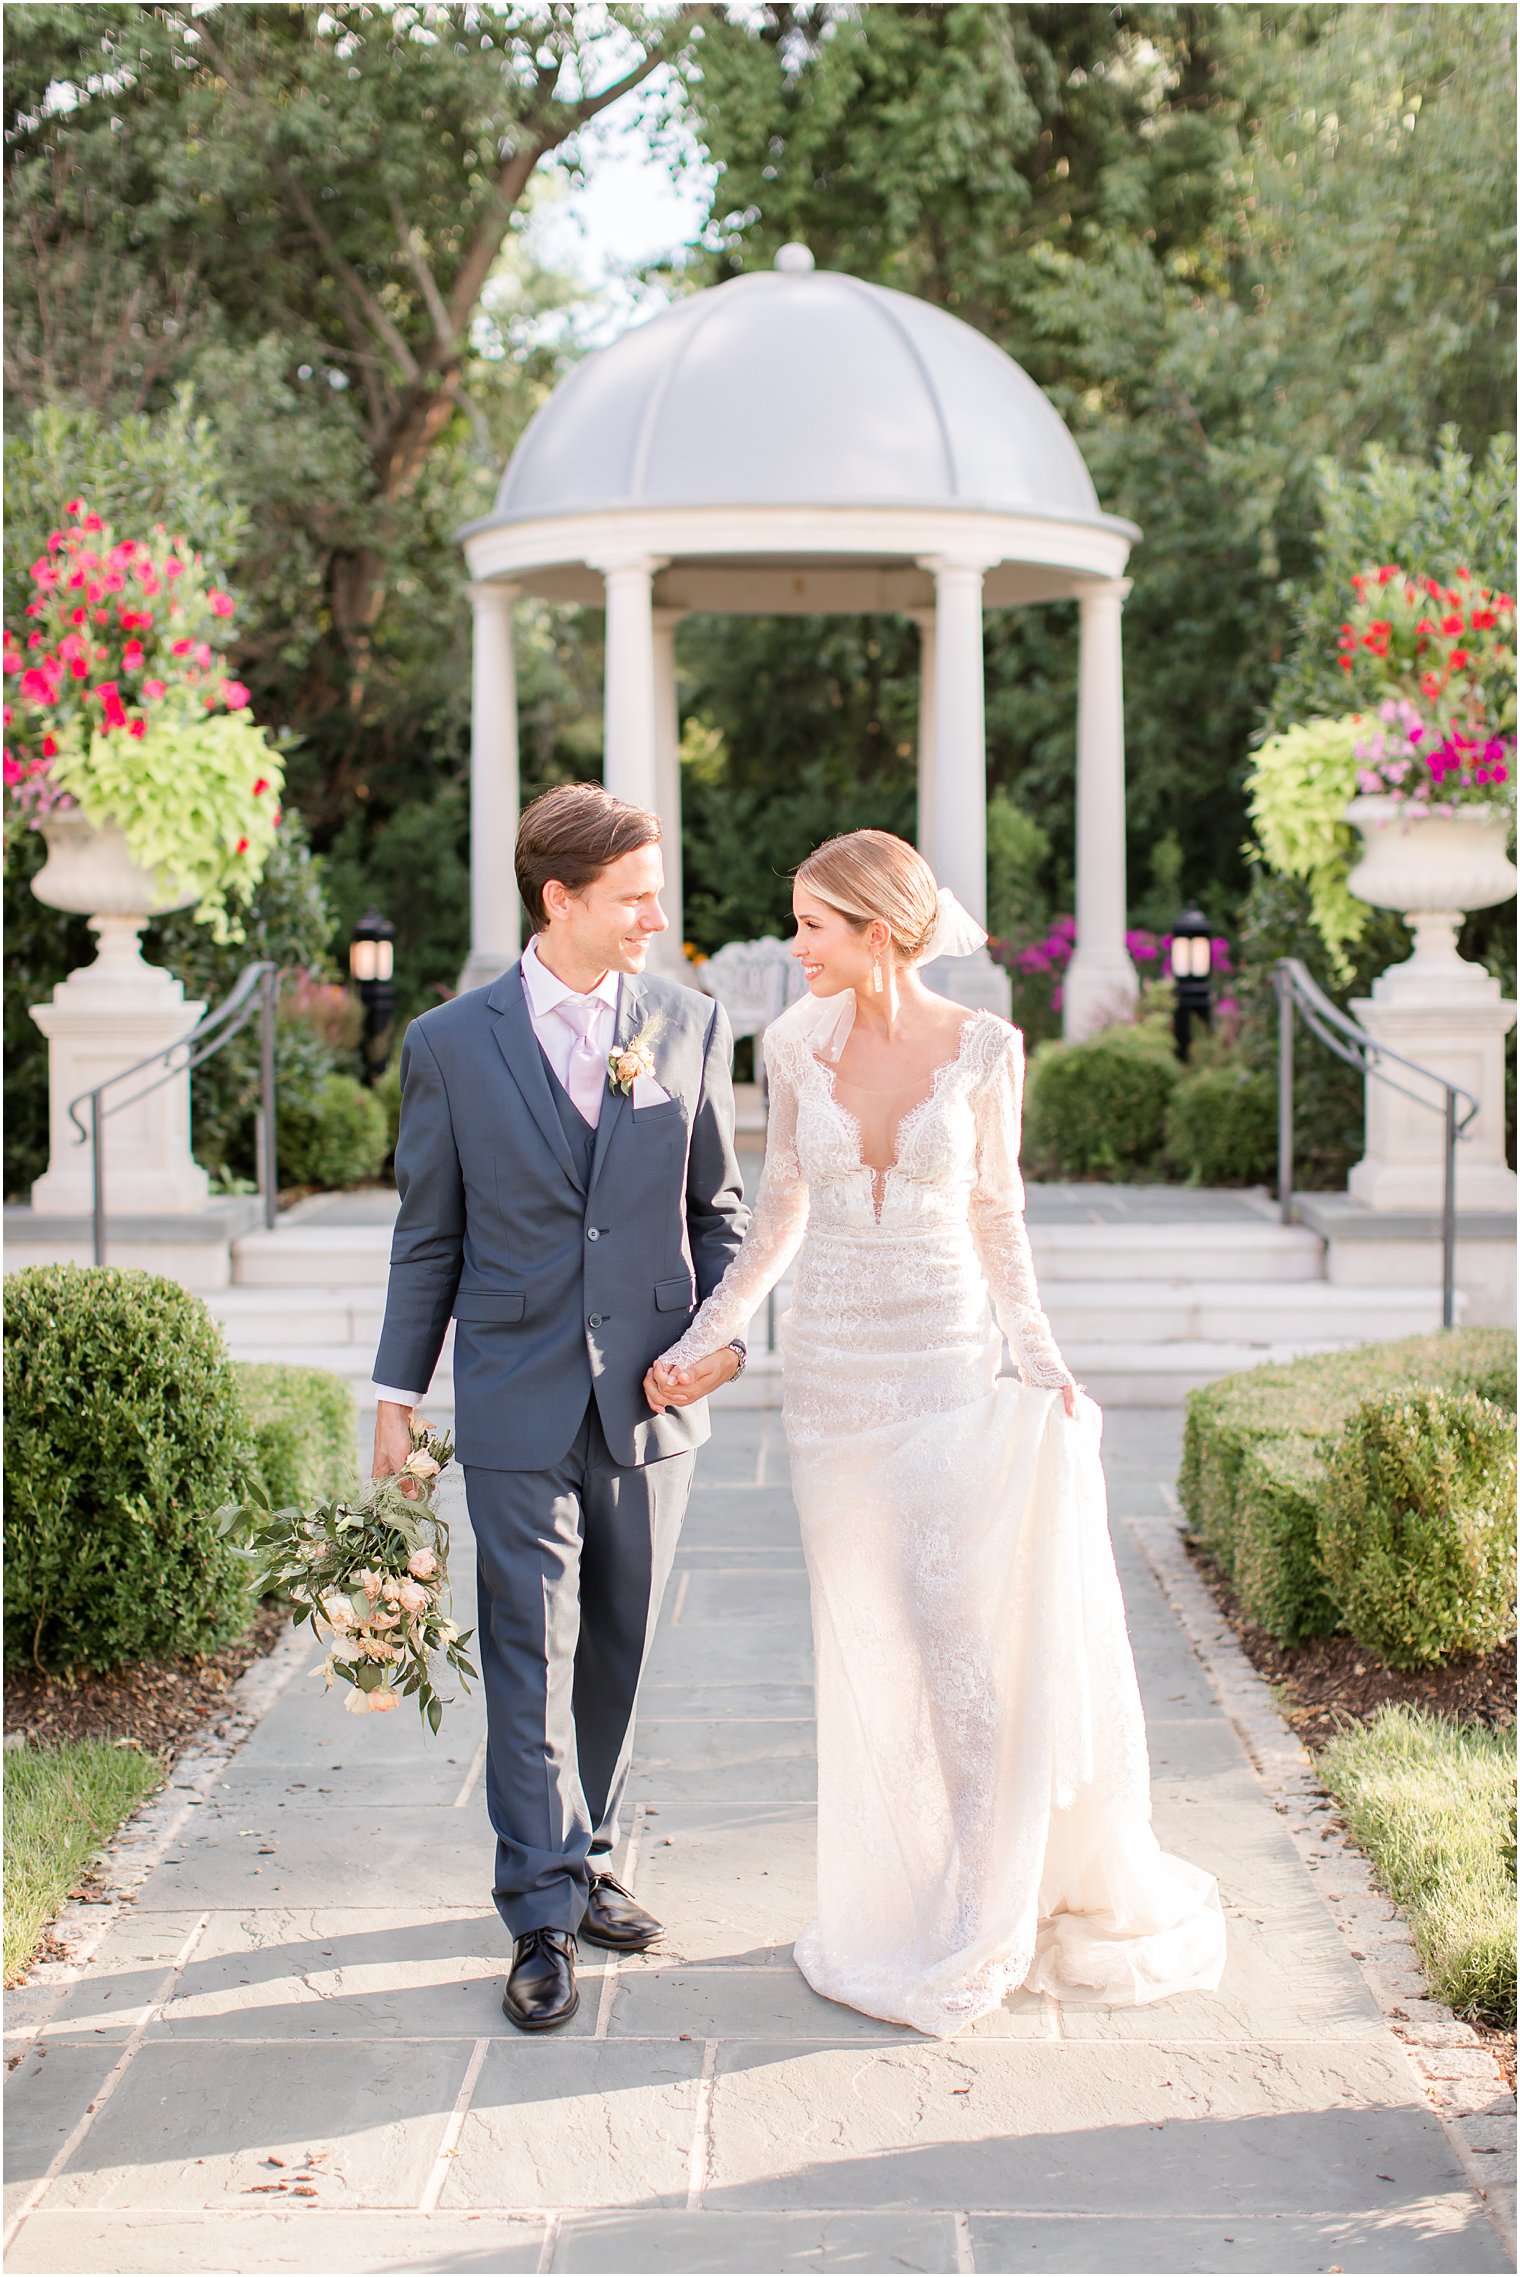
[(983, 1782)]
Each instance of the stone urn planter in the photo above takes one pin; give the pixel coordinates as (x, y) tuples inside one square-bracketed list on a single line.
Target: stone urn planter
[(105, 1018), (1437, 1008), (1433, 868)]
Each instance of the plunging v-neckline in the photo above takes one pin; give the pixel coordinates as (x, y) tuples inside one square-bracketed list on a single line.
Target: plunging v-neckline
[(910, 1115)]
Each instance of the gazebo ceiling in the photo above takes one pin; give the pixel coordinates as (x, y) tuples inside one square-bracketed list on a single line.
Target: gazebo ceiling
[(797, 440)]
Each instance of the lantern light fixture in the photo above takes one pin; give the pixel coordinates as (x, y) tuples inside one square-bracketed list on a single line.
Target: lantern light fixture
[(1192, 959)]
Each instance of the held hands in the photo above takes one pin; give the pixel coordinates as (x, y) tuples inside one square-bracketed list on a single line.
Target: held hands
[(680, 1387)]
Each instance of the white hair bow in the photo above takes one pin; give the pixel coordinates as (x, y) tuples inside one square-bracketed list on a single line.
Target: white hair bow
[(957, 932)]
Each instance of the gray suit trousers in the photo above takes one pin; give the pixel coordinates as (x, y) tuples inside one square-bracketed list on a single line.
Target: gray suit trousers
[(572, 1564)]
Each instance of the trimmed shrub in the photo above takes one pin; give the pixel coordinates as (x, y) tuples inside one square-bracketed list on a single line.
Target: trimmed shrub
[(1221, 1127), (124, 1431), (1098, 1109), (334, 1136), (1313, 1398), (301, 1422), (1278, 1506), (1417, 1526)]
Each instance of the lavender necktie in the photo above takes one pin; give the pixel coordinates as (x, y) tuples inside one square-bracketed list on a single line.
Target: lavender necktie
[(586, 1078)]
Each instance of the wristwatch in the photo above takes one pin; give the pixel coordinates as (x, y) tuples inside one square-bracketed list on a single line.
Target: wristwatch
[(737, 1344)]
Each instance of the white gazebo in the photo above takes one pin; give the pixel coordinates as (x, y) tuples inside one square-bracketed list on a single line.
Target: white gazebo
[(796, 442)]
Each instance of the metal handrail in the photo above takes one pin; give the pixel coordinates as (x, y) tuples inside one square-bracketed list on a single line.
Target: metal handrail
[(254, 996), (1297, 991)]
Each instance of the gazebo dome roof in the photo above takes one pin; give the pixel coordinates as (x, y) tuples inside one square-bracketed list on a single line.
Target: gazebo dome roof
[(796, 387)]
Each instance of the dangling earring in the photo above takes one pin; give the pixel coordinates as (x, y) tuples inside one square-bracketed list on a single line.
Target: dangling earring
[(876, 977)]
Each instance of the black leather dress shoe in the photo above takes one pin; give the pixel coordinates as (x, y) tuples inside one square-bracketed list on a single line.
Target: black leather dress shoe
[(541, 1991), (615, 1918)]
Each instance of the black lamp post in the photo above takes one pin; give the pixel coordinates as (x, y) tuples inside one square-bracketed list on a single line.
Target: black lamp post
[(1192, 956), (371, 964)]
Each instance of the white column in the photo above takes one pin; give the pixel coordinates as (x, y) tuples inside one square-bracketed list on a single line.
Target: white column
[(495, 911), (957, 800), (667, 955), (628, 748), (925, 621), (1101, 983)]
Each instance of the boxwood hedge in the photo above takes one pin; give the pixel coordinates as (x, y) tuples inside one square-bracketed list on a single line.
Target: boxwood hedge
[(301, 1422), (124, 1430), (1257, 1453)]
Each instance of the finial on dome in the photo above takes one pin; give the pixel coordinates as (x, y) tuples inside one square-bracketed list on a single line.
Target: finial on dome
[(794, 260)]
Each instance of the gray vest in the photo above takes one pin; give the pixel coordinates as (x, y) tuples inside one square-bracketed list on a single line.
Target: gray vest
[(564, 1254), (579, 1134)]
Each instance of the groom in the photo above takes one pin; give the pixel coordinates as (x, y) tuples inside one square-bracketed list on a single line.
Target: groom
[(569, 1193)]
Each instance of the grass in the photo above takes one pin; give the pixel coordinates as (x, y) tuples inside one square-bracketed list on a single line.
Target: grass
[(1432, 1803), (62, 1804)]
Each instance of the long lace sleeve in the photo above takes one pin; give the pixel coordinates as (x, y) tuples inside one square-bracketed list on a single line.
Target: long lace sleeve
[(997, 1222), (775, 1230)]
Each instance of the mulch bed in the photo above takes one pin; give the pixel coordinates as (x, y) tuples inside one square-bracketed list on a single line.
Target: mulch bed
[(159, 1706), (1328, 1683)]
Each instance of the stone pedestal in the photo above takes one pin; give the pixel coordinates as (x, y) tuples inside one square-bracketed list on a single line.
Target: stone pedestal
[(102, 1019), (1449, 1016)]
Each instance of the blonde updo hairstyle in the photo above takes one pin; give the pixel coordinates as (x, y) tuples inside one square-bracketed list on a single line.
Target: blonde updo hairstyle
[(869, 875)]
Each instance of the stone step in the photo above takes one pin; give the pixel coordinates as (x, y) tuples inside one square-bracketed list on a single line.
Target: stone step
[(301, 1257), (1234, 1312), (1236, 1250)]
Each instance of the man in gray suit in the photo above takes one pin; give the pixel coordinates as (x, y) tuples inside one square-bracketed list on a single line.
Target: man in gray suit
[(569, 1193)]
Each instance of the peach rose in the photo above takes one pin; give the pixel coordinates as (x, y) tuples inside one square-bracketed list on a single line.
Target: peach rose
[(420, 1464), (381, 1703), (422, 1563), (414, 1598)]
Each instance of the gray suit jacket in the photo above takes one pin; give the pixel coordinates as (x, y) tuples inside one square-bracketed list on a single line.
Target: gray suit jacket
[(558, 1289)]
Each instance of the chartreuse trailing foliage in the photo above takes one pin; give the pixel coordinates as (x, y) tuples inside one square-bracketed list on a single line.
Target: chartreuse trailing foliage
[(1368, 1490), (197, 799), (1432, 1803), (123, 1429), (1300, 784)]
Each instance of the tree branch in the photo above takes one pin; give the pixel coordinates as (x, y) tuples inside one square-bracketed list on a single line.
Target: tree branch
[(427, 283), (535, 142), (370, 310), (345, 272)]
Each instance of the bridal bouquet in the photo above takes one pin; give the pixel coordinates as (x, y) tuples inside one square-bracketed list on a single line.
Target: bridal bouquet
[(371, 1574)]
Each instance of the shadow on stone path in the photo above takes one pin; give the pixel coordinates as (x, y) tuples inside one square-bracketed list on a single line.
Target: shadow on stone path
[(312, 1976)]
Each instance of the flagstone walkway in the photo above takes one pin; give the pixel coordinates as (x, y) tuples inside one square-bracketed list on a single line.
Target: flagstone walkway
[(290, 2055)]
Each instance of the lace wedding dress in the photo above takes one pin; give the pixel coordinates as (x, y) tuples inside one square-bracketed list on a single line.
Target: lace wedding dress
[(983, 1781)]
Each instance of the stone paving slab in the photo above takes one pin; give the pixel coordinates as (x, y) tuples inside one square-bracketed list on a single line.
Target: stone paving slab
[(1279, 2128), (305, 2239), (700, 1762), (1439, 2236), (194, 2125), (560, 2123), (763, 2001), (421, 1856), (363, 1975), (709, 2245), (315, 1968)]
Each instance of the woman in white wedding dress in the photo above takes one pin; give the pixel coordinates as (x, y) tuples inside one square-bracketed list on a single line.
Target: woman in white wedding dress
[(983, 1781)]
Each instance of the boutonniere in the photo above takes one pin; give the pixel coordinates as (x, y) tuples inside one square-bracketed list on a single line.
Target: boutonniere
[(627, 1062)]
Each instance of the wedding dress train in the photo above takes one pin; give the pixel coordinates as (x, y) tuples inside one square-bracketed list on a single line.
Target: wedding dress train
[(983, 1780)]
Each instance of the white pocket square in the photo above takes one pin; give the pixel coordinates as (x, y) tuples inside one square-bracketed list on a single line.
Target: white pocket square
[(648, 1092)]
